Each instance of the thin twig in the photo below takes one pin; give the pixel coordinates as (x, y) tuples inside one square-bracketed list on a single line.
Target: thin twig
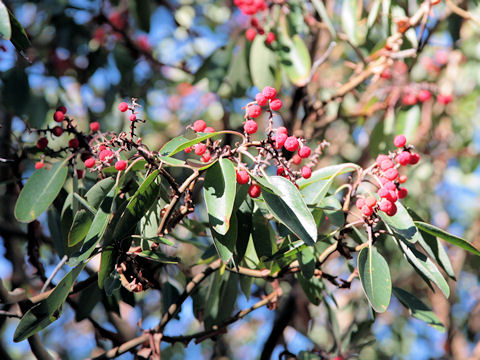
[(55, 271)]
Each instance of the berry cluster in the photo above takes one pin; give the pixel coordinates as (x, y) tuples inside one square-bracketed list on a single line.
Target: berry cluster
[(251, 7), (254, 109), (255, 28), (411, 97), (385, 171)]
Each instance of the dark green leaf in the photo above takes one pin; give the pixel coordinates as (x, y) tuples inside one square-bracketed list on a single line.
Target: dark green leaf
[(19, 36), (97, 192), (158, 256), (307, 260), (80, 227), (401, 223), (225, 244), (181, 143), (312, 287), (261, 235), (40, 191), (375, 278), (89, 297)]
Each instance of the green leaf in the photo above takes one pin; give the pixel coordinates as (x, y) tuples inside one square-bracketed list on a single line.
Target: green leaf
[(40, 191), (225, 244), (423, 265), (97, 192), (349, 20), (306, 259), (143, 11), (244, 220), (47, 311), (80, 227), (326, 173), (289, 208), (181, 143), (158, 256), (263, 63), (408, 122), (375, 278), (89, 297), (219, 192), (401, 223), (418, 309), (5, 28), (261, 236), (238, 77), (312, 288), (19, 36), (452, 239), (372, 16), (322, 11)]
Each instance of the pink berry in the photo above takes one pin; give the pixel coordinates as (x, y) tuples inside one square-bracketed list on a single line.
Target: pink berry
[(409, 99), (132, 117), (371, 201), (250, 127), (200, 149), (381, 158), (306, 172), (254, 191), (392, 211), (63, 109), (280, 140), (270, 38), (385, 205), (42, 143), (424, 95), (260, 99), (282, 130), (304, 152), (402, 179), (296, 159), (367, 210), (58, 116), (250, 34), (444, 99), (209, 129), (291, 144), (94, 126), (89, 163), (243, 177), (404, 158), (360, 203), (206, 157), (121, 165), (383, 193), (254, 111), (391, 174), (199, 125), (123, 106), (414, 158), (400, 141), (386, 164), (106, 155), (269, 92), (392, 196), (389, 185), (402, 192), (39, 165), (275, 104), (73, 143)]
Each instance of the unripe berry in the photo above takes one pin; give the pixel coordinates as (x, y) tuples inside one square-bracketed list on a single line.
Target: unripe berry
[(250, 34), (282, 130), (242, 177), (424, 95), (444, 99), (42, 143), (123, 106), (269, 92), (291, 144), (386, 164), (209, 129), (304, 152), (270, 38), (39, 165), (360, 203), (254, 191), (132, 117), (404, 158), (367, 210), (73, 143), (402, 192), (57, 131), (199, 126), (200, 149), (280, 140), (276, 104), (402, 179), (391, 174), (385, 205), (250, 127), (58, 116), (94, 126), (254, 111), (414, 158), (121, 165), (306, 172), (371, 201), (89, 163), (260, 99), (63, 109), (380, 158), (400, 141), (392, 211), (296, 159)]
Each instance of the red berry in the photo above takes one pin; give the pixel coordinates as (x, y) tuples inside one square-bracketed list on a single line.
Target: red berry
[(400, 141), (306, 172), (206, 157), (57, 131), (254, 111), (260, 99), (209, 129), (367, 210), (380, 158), (304, 152), (250, 34), (73, 143), (280, 170), (121, 165), (444, 99), (414, 158), (392, 211), (199, 125), (424, 95), (282, 130), (371, 201), (402, 179), (200, 149), (386, 164), (254, 191), (102, 147), (132, 117), (270, 38), (58, 116), (385, 205), (280, 140), (296, 159), (404, 158), (392, 196), (402, 192), (94, 126), (360, 203), (89, 163), (291, 144), (250, 127), (123, 106), (243, 177), (63, 109), (409, 99), (269, 92), (42, 143), (383, 193), (391, 174), (276, 104), (39, 165), (188, 150), (106, 155)]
